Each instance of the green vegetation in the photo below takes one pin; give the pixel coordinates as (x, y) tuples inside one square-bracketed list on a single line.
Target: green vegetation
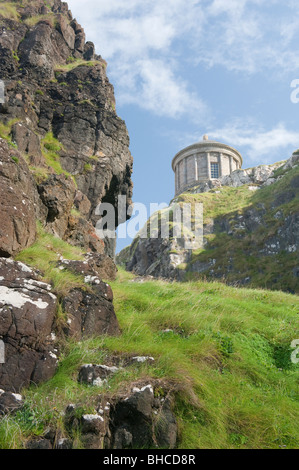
[(44, 254), (75, 213), (9, 10), (87, 168), (32, 21), (40, 174), (50, 150), (227, 360), (85, 101), (15, 159), (5, 131), (15, 56), (243, 247), (76, 63)]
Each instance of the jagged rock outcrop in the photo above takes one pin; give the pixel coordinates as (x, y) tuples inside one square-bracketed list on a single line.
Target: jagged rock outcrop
[(17, 202), (60, 111), (250, 240), (63, 150), (27, 314), (57, 194), (90, 312), (139, 419), (142, 421)]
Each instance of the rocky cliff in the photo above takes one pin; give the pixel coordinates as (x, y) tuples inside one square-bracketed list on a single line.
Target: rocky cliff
[(251, 232), (63, 150), (59, 113)]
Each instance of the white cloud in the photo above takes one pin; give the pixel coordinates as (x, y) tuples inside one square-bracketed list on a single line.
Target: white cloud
[(260, 144), (154, 86), (255, 143), (138, 40), (149, 45)]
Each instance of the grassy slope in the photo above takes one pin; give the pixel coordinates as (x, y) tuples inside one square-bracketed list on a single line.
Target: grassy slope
[(228, 354), (266, 271)]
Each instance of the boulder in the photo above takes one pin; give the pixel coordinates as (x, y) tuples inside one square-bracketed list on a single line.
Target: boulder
[(17, 206), (89, 51), (142, 421), (90, 313), (93, 427), (66, 31), (96, 266), (27, 314), (10, 402), (96, 375)]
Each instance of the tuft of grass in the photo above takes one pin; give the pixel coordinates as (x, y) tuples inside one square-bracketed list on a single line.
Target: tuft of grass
[(5, 131), (33, 20), (44, 254), (9, 10), (51, 148), (87, 168), (40, 174), (76, 63)]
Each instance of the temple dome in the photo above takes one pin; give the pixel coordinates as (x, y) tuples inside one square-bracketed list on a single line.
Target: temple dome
[(203, 161)]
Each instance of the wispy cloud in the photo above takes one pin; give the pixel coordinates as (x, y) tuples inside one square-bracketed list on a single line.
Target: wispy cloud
[(148, 43), (154, 86), (255, 142), (260, 142), (139, 41)]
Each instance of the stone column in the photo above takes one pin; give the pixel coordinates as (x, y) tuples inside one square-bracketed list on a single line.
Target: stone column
[(220, 164), (230, 164), (185, 170), (196, 167), (179, 175), (209, 165)]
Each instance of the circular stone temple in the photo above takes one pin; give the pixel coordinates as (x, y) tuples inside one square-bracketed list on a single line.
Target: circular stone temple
[(204, 161)]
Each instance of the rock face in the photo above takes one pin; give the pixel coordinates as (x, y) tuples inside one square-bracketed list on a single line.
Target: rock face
[(251, 245), (63, 150), (90, 312), (57, 194), (17, 196), (60, 111), (27, 312)]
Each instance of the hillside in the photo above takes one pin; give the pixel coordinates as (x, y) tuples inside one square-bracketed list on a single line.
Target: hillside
[(251, 233), (221, 353), (92, 357)]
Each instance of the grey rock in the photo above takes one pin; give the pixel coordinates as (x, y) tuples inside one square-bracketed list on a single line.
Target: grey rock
[(96, 374), (10, 402), (27, 313), (17, 202)]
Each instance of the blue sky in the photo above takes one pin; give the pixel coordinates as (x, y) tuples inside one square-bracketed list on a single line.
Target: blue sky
[(185, 68)]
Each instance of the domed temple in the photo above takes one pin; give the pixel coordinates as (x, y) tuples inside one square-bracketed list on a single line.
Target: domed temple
[(204, 161)]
